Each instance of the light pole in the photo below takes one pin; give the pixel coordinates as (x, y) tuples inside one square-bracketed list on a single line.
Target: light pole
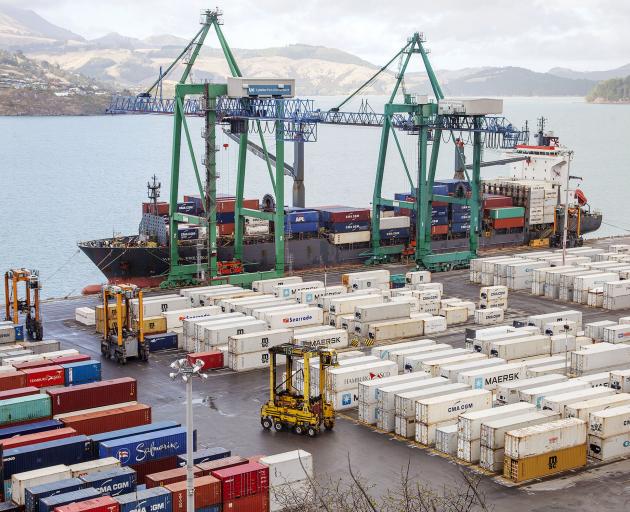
[(187, 371), (565, 228)]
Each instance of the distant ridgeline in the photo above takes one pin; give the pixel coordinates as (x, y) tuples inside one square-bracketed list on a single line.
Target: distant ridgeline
[(615, 90)]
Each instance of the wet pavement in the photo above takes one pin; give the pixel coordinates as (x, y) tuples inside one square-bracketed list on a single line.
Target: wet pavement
[(227, 408)]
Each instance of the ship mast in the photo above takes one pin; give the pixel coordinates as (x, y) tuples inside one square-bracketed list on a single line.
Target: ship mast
[(153, 193)]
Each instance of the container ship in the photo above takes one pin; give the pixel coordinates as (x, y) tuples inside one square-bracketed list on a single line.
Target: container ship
[(524, 208)]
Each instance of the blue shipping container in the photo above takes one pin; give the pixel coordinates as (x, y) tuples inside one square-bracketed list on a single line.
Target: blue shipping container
[(30, 428), (82, 372), (454, 185), (301, 216), (439, 221), (164, 341), (52, 502), (388, 234), (460, 227), (440, 189), (145, 447), (439, 211), (132, 431), (225, 218), (113, 482), (206, 455), (33, 495), (70, 450), (156, 499), (349, 227), (303, 227), (460, 207), (187, 207), (460, 217)]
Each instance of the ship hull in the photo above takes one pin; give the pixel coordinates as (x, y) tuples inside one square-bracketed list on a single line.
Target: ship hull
[(148, 266)]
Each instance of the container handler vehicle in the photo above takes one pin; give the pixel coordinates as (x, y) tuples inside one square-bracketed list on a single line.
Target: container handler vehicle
[(288, 408), (122, 339), (15, 306)]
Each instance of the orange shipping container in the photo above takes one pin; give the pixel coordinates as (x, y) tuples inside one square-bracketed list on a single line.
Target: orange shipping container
[(225, 229), (545, 464), (439, 230), (111, 419), (207, 493)]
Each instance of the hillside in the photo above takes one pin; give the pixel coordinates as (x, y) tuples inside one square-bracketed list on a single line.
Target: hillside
[(615, 90), (30, 87), (127, 62)]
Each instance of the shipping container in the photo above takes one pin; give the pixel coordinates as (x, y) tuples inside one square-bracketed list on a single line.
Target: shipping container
[(18, 392), (153, 466), (537, 395), (446, 439), (102, 504), (306, 316), (440, 409), (383, 351), (378, 312), (557, 403), (341, 379), (12, 379), (258, 341), (469, 423), (33, 494), (492, 432), (82, 372), (243, 480), (164, 341), (89, 396), (24, 409), (21, 481), (146, 500), (619, 380), (113, 482), (212, 359), (399, 328), (170, 476), (206, 455), (253, 503), (90, 423), (29, 428), (145, 447), (51, 503), (228, 462), (94, 466), (508, 393), (38, 437), (600, 357), (555, 435), (311, 296), (70, 450), (288, 467), (583, 408), (155, 306), (452, 371), (545, 464), (326, 337), (490, 378), (267, 285)]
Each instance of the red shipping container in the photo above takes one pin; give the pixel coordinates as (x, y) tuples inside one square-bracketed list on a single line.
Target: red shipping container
[(76, 358), (516, 222), (254, 503), (225, 229), (346, 215), (207, 493), (439, 230), (212, 359), (227, 205), (112, 419), (45, 376), (243, 480), (95, 394), (153, 466), (162, 208), (12, 380), (227, 462), (439, 203), (102, 504), (39, 437), (27, 365), (171, 476), (490, 201), (14, 393)]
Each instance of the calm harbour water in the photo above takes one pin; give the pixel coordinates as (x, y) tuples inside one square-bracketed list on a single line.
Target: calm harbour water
[(65, 179)]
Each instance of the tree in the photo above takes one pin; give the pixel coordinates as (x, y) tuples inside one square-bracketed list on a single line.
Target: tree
[(355, 494)]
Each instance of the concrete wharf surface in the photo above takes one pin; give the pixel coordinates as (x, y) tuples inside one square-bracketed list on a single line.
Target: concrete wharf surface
[(227, 409)]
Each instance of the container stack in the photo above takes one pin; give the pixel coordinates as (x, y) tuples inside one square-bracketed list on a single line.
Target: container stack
[(301, 222), (545, 449), (609, 433), (345, 224), (251, 351), (290, 475)]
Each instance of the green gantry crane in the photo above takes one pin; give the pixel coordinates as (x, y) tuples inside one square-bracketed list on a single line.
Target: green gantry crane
[(290, 120), (426, 119)]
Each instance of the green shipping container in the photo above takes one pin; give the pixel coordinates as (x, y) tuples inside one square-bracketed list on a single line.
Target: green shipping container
[(25, 408), (510, 212)]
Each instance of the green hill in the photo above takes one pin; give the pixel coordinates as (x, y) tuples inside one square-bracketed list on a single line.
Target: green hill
[(615, 90)]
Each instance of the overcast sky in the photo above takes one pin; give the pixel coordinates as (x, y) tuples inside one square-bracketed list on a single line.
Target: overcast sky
[(580, 34)]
